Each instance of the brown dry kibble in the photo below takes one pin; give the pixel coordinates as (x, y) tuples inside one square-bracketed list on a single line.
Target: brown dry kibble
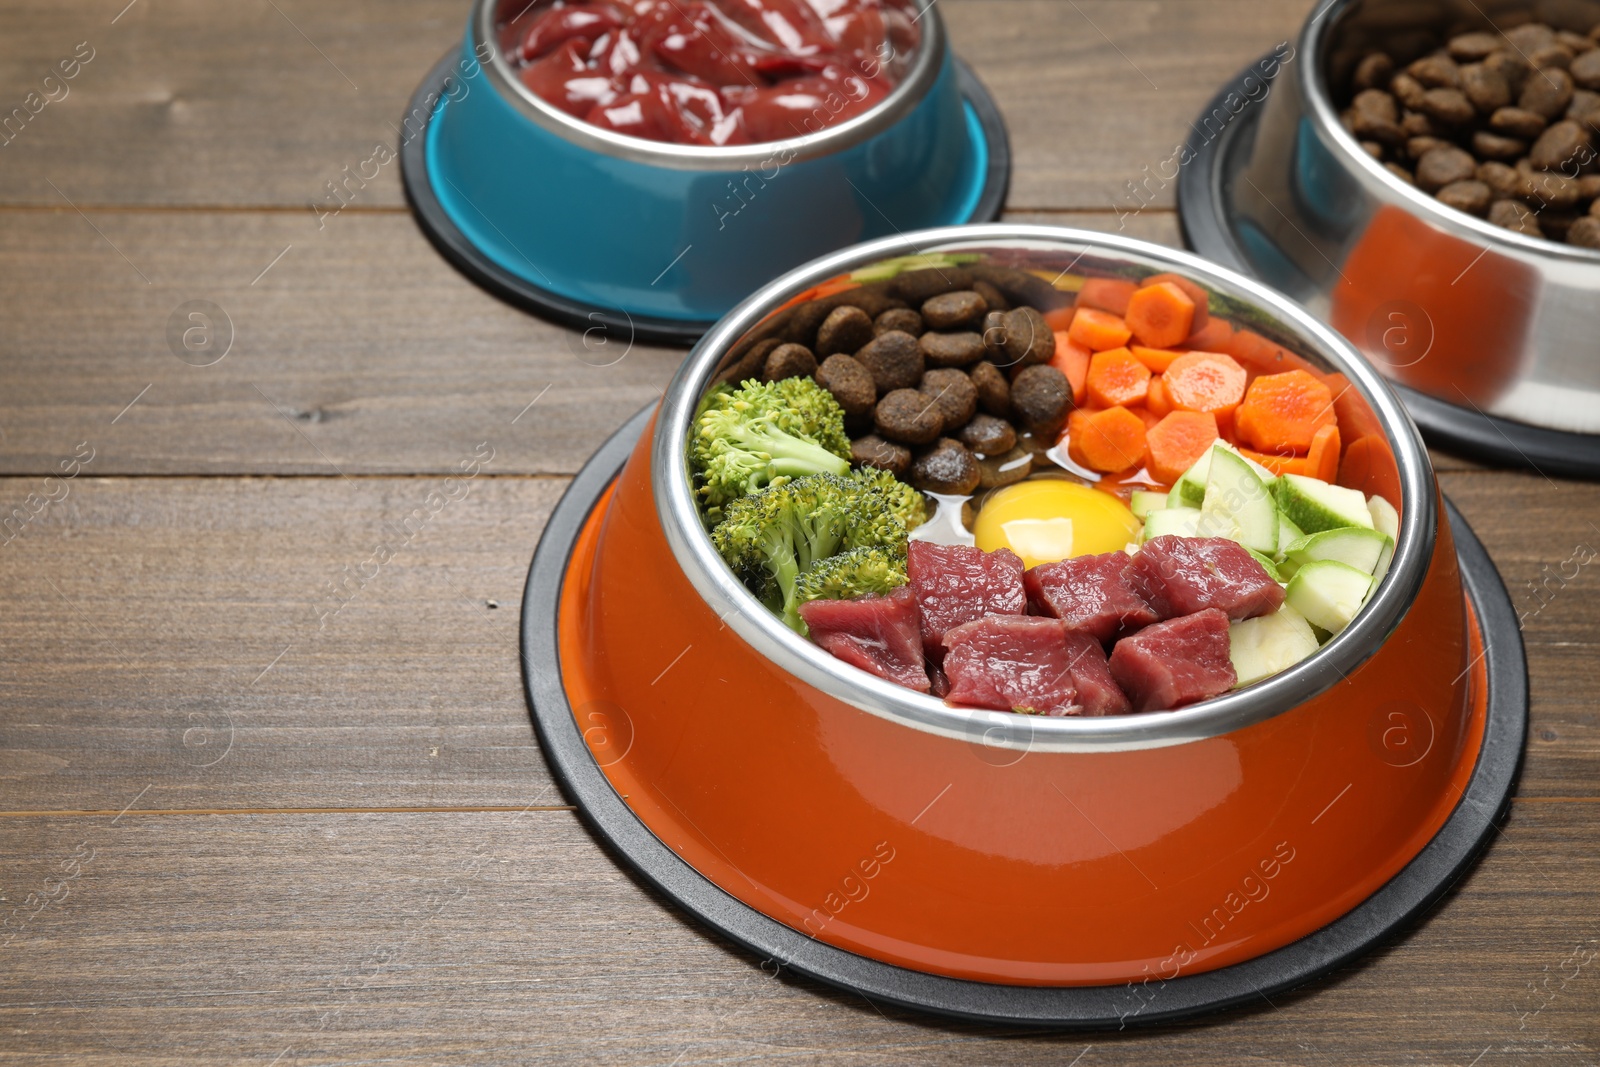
[(1512, 215), (988, 436), (1585, 70), (948, 469), (753, 362), (907, 416), (949, 311), (1041, 397), (1471, 196), (1373, 149), (1493, 146), (992, 296), (1565, 142), (915, 286), (894, 360), (1583, 102), (1503, 181), (1449, 106), (1585, 233), (1436, 72), (1546, 93), (1510, 66), (952, 349), (788, 361), (1544, 190), (1373, 72), (994, 392), (1007, 468), (1028, 338), (953, 393), (1589, 189), (1439, 167), (1485, 87), (1376, 103), (1408, 90), (1556, 224), (1367, 126), (1418, 147), (850, 383), (1576, 43), (844, 330), (1517, 122), (1416, 124), (1468, 47), (1551, 57), (1400, 172), (1530, 37), (903, 319), (874, 451)]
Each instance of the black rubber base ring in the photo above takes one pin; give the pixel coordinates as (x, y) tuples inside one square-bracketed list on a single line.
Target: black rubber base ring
[(1387, 912), (484, 272), (1203, 217)]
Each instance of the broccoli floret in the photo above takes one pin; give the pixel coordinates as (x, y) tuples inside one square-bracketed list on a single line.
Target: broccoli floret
[(856, 573), (908, 503), (771, 537), (761, 434)]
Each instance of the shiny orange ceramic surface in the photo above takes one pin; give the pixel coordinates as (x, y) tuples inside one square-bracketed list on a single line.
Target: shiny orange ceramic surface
[(1026, 867)]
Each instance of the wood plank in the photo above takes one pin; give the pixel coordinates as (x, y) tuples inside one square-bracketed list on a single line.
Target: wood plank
[(143, 613), (359, 350), (268, 102), (496, 938)]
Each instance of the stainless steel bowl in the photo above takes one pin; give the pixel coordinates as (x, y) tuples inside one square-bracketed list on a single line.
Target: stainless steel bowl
[(1439, 300), (1053, 251)]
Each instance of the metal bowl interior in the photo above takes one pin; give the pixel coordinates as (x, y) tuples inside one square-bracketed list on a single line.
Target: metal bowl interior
[(920, 76), (1049, 252), (1340, 32)]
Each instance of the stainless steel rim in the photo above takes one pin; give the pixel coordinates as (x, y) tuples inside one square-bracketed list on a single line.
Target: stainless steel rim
[(813, 666), (1315, 37), (901, 100)]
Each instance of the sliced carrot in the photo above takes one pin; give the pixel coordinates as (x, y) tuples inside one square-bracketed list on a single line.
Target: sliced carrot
[(1285, 464), (1177, 441), (1098, 330), (1282, 412), (1106, 294), (1156, 399), (1077, 421), (1111, 440), (1263, 356), (1157, 359), (1214, 336), (1205, 381), (1369, 466), (1197, 293), (1151, 419), (1058, 319), (1072, 360), (1323, 459), (1160, 315), (1116, 377)]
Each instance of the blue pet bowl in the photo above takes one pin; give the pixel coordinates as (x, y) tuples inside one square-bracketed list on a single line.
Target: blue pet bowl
[(656, 241)]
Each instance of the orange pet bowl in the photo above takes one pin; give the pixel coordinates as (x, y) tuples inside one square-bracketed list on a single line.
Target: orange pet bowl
[(1056, 871)]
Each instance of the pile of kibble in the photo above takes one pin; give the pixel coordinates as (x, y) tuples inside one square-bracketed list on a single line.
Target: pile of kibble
[(1502, 125), (944, 377)]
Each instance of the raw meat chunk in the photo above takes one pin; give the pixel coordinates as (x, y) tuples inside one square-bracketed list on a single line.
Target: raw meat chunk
[(1010, 663), (1176, 662), (955, 584), (1183, 575), (879, 634), (1098, 691), (1091, 594)]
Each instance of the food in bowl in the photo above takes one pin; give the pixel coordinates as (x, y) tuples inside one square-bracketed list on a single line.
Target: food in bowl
[(711, 72), (1158, 514), (1501, 125)]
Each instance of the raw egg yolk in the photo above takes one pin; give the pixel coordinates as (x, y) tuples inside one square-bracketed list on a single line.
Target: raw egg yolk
[(1048, 519)]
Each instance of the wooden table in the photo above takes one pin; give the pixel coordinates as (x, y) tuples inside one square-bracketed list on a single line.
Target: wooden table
[(241, 827)]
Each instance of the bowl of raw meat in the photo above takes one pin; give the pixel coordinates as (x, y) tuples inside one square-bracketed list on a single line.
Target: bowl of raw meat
[(652, 161), (1032, 606)]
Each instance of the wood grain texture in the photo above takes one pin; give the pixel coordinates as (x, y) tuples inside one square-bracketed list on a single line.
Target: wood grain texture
[(145, 612), (495, 938), (260, 104)]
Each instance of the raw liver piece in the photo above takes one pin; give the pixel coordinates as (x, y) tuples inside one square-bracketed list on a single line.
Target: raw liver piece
[(1010, 662), (879, 634), (1176, 662), (955, 584), (1183, 575), (1092, 594), (1098, 692)]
